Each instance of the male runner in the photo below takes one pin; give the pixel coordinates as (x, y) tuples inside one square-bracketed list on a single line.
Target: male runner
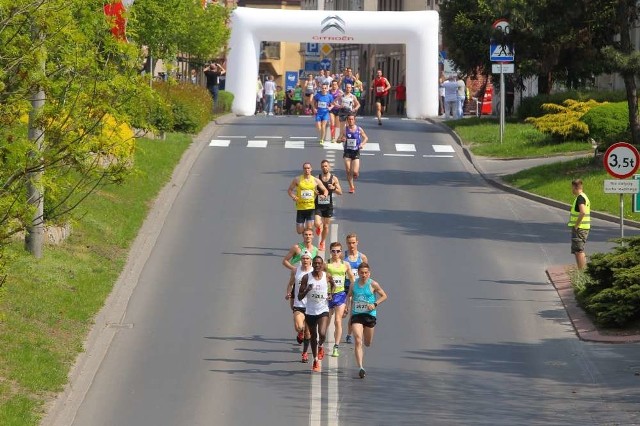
[(335, 110), (298, 306), (354, 258), (354, 140), (322, 102), (317, 287), (324, 206), (303, 190), (381, 86), (339, 271), (292, 258), (349, 105), (364, 304)]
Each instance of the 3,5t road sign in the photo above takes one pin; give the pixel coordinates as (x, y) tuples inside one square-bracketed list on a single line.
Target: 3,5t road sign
[(621, 160)]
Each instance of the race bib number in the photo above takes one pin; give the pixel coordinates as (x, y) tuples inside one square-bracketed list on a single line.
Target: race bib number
[(347, 103), (306, 194), (379, 89), (337, 281), (361, 307), (316, 296), (352, 143), (326, 200), (322, 104), (355, 273)]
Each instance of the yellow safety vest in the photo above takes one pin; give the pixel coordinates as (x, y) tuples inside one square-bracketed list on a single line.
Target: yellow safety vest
[(306, 193), (586, 220)]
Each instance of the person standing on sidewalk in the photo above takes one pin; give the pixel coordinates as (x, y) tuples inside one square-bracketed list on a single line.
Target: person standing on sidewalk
[(269, 94), (580, 223), (213, 74)]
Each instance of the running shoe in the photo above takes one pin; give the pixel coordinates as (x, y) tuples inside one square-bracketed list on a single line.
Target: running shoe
[(336, 352), (379, 124), (300, 337), (352, 190), (305, 357), (321, 246), (321, 141), (318, 231), (362, 373), (348, 339), (321, 352), (316, 366)]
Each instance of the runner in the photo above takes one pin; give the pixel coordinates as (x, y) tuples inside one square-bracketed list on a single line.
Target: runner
[(364, 304), (292, 258), (381, 86), (303, 190), (324, 206), (298, 306), (309, 91), (354, 258), (317, 287), (339, 270), (349, 106), (322, 102), (354, 140), (335, 111)]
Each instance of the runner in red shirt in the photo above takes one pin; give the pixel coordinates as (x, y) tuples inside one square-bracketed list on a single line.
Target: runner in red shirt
[(401, 97), (381, 87)]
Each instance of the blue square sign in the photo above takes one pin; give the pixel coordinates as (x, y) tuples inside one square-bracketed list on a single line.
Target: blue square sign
[(501, 53)]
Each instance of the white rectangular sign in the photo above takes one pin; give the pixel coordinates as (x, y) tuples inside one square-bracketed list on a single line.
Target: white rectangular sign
[(621, 186), (506, 68)]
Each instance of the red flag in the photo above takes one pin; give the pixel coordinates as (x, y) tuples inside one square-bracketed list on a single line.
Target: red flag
[(115, 12)]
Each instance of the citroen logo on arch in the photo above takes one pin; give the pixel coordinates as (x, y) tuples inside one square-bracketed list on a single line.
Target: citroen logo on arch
[(333, 21)]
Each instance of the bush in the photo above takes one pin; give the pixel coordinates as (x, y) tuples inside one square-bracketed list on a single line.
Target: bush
[(608, 123), (225, 99), (532, 106), (562, 122), (190, 105), (612, 292)]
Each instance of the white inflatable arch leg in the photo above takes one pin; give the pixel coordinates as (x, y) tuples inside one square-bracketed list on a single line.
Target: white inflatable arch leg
[(418, 30)]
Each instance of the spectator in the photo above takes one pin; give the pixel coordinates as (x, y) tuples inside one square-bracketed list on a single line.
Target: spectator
[(401, 97), (450, 87), (461, 94), (269, 92), (213, 73), (259, 97)]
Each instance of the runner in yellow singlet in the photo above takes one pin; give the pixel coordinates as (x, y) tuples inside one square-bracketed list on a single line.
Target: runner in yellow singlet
[(303, 191), (339, 270)]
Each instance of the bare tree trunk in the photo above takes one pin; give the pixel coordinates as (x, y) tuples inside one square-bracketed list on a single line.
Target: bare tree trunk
[(34, 239)]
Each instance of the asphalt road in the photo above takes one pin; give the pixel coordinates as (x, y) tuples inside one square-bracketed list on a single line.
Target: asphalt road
[(472, 332)]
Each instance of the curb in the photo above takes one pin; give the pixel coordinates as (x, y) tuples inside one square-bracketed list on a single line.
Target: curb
[(500, 184), (585, 328)]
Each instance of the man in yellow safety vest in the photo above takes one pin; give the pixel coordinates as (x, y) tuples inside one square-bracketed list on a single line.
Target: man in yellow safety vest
[(580, 223)]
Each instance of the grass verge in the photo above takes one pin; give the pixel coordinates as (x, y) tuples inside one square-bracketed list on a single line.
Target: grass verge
[(47, 305)]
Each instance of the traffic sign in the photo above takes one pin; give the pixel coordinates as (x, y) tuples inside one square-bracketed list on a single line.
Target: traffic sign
[(326, 49), (325, 64), (502, 25), (621, 186), (312, 66), (505, 68), (313, 49), (501, 53), (621, 160)]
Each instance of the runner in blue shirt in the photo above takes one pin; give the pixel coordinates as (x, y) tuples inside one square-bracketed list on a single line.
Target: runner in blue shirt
[(322, 102)]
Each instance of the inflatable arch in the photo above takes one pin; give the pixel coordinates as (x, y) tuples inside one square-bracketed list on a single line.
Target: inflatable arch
[(418, 30)]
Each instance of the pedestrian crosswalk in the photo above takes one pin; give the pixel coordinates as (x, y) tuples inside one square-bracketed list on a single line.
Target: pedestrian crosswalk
[(302, 142)]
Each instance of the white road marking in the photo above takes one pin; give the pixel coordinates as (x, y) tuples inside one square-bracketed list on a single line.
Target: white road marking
[(371, 146), (294, 144), (303, 137), (257, 144), (334, 146), (405, 147), (219, 142), (364, 153), (315, 399), (268, 137), (438, 156), (399, 155), (332, 373), (232, 137), (443, 148)]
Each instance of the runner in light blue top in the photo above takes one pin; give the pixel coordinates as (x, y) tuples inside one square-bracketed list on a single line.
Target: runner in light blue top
[(322, 102), (365, 295)]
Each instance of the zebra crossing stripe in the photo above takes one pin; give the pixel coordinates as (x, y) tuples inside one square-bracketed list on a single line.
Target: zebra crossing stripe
[(405, 147), (220, 142), (294, 144), (333, 146), (371, 146), (443, 148), (257, 144)]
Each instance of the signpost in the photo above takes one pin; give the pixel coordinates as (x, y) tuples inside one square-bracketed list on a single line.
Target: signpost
[(621, 161), (325, 64), (500, 52), (636, 198)]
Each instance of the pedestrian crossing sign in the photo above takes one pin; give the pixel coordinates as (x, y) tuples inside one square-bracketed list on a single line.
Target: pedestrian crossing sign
[(501, 53)]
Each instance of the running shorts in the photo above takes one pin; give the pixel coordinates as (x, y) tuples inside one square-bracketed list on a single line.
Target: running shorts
[(312, 320), (366, 320), (303, 216), (354, 154), (322, 116), (344, 113), (298, 309), (382, 100), (337, 299), (325, 211)]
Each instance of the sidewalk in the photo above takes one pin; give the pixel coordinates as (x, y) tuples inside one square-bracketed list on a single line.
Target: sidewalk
[(492, 171)]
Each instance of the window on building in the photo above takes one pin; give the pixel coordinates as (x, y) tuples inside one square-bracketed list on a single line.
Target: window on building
[(269, 50)]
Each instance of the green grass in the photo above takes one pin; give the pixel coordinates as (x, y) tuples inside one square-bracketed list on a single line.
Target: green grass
[(47, 305), (554, 181), (520, 140)]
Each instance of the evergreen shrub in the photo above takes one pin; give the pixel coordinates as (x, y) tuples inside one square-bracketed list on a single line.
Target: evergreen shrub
[(562, 122), (608, 123), (532, 106)]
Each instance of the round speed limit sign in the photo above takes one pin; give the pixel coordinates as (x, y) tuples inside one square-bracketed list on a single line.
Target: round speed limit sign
[(621, 160)]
